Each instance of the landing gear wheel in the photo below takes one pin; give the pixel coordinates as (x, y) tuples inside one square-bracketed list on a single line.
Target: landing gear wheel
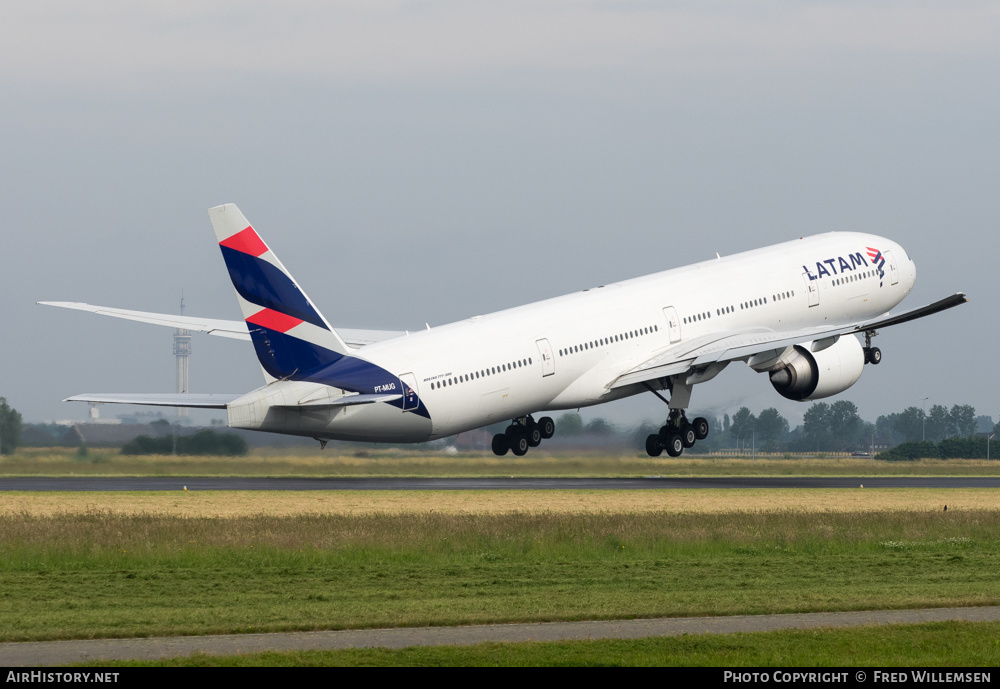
[(674, 445), (518, 443), (547, 427), (688, 435), (534, 435), (873, 355), (653, 446), (500, 444), (701, 428)]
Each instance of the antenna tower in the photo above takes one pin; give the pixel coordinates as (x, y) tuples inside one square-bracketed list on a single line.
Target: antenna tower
[(182, 350)]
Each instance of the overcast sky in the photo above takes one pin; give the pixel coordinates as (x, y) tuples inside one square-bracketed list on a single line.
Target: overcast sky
[(416, 162)]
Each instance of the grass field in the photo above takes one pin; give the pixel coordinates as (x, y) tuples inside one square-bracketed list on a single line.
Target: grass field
[(951, 644), (106, 574), (394, 462), (230, 504), (83, 565)]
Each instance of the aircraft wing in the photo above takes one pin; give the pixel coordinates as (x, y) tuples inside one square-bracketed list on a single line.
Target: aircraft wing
[(213, 326), (731, 345), (203, 401)]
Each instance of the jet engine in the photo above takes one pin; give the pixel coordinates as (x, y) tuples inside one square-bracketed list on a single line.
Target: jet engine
[(807, 375)]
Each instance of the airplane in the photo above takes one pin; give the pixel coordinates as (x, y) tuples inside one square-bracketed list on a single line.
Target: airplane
[(793, 311)]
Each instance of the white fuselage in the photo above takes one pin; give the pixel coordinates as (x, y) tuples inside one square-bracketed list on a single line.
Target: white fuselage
[(490, 368)]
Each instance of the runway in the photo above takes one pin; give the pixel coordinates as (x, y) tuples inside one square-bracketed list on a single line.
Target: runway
[(41, 653), (145, 483)]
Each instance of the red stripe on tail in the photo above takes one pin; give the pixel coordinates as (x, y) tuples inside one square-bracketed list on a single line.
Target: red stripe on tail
[(246, 242), (274, 320)]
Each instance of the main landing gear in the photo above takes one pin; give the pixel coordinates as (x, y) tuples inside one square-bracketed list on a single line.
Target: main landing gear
[(676, 434), (873, 355), (522, 433)]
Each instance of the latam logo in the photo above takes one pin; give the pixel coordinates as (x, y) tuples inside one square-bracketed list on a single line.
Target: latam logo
[(877, 258), (838, 265)]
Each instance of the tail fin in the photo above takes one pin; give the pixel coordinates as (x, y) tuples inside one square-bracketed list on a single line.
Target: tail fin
[(290, 335)]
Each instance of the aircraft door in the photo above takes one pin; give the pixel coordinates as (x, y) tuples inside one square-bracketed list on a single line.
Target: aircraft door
[(410, 400), (893, 273), (548, 361), (812, 289), (673, 324)]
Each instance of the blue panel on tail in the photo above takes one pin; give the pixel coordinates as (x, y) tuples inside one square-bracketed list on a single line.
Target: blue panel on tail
[(284, 356), (261, 283)]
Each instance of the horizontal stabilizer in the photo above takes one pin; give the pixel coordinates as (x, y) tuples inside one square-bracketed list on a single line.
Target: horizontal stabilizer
[(212, 326), (345, 401), (202, 401)]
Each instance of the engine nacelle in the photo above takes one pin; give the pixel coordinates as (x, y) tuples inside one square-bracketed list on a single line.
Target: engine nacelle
[(814, 375)]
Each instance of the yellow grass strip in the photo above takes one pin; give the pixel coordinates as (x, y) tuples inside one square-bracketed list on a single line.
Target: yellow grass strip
[(395, 462), (290, 503)]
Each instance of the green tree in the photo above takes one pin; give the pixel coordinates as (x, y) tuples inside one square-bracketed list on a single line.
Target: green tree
[(569, 423), (10, 427), (816, 426), (744, 425), (845, 425), (939, 423), (717, 427), (909, 424), (963, 419), (600, 427), (205, 442), (909, 451), (641, 432), (771, 427), (885, 429)]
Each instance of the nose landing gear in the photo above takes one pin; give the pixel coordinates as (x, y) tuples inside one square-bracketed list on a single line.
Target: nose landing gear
[(873, 355)]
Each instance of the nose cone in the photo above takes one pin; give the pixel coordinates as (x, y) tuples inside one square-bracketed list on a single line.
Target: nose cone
[(905, 267), (908, 269)]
